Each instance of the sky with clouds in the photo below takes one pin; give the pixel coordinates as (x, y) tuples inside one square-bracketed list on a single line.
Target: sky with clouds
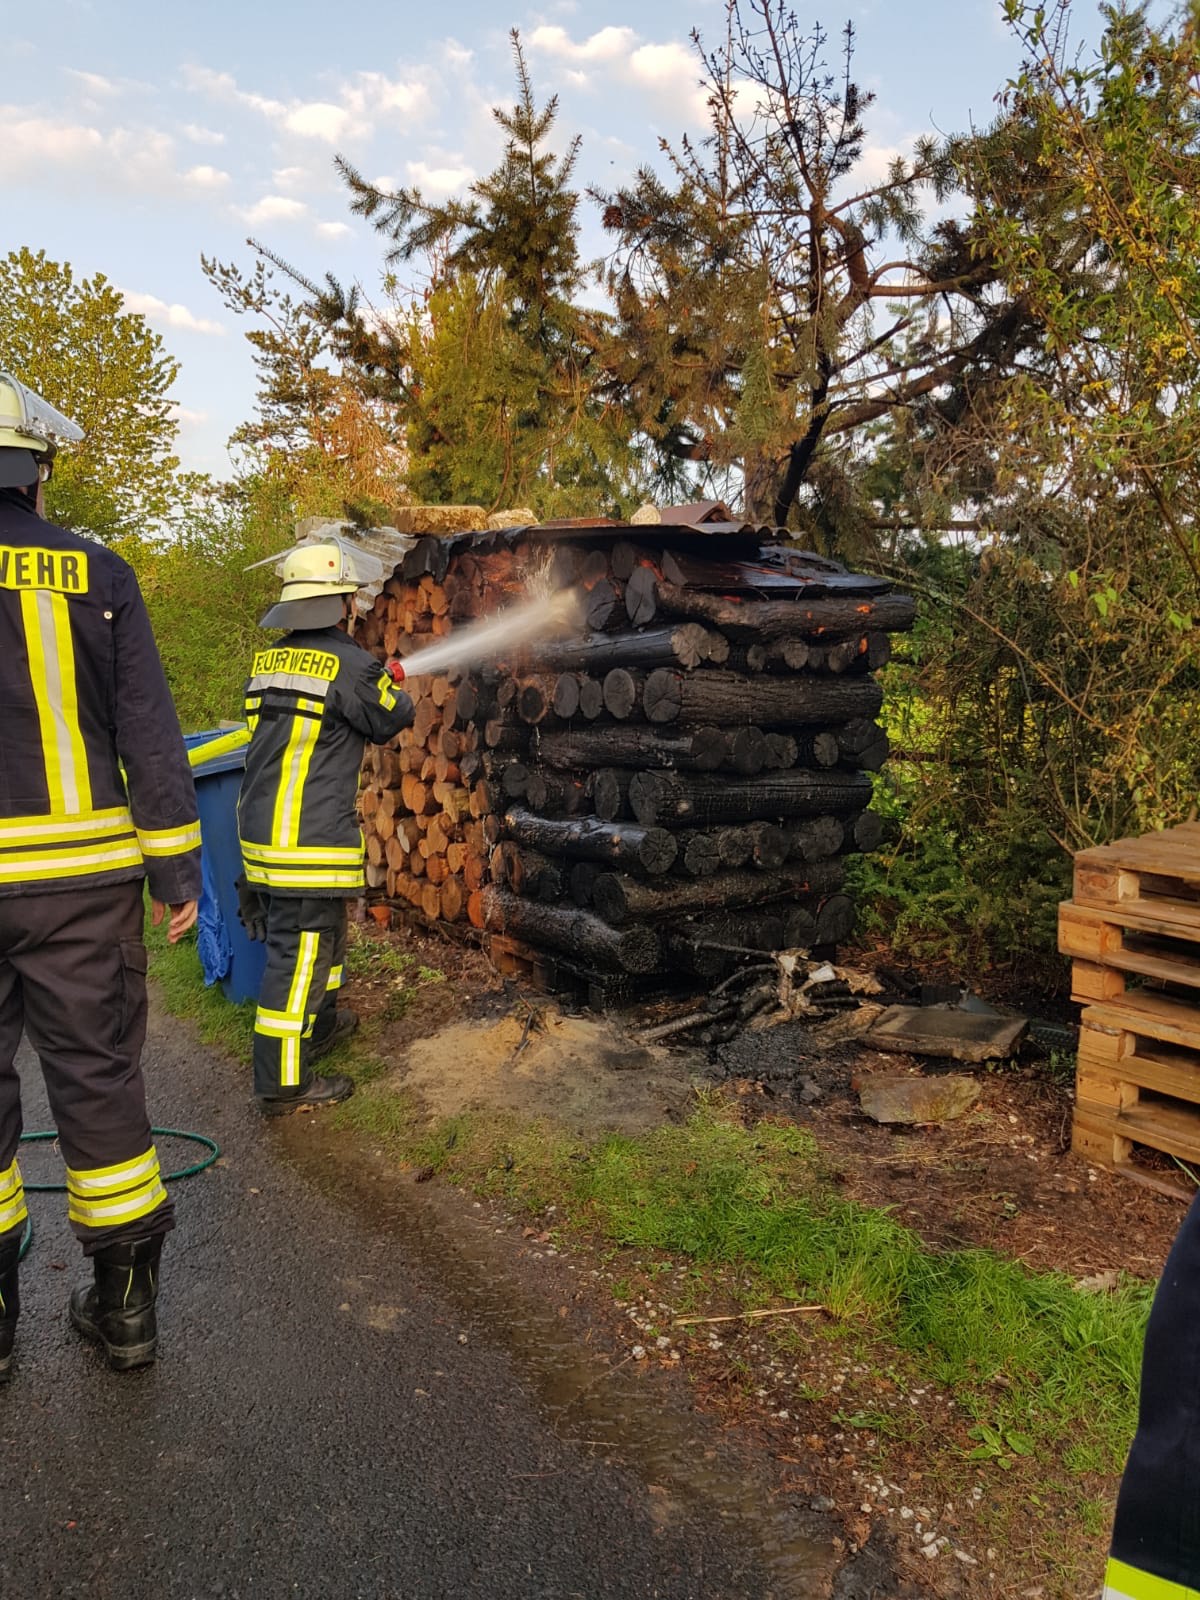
[(134, 136)]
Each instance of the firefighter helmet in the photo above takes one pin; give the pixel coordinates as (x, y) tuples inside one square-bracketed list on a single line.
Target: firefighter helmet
[(30, 432), (317, 575)]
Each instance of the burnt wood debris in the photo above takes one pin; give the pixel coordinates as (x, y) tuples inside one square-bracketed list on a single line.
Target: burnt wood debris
[(669, 790)]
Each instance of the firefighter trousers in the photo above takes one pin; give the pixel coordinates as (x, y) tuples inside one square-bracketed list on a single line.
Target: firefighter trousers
[(1156, 1534), (73, 977), (306, 953)]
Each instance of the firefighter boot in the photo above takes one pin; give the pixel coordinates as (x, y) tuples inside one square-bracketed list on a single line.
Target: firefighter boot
[(10, 1303), (315, 1094), (118, 1310)]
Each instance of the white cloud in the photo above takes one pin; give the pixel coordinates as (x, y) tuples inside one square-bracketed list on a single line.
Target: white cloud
[(290, 177), (333, 230), (169, 316), (205, 177), (274, 208), (186, 417), (127, 160), (94, 82), (201, 135), (609, 44), (317, 119), (362, 100), (438, 180), (663, 75)]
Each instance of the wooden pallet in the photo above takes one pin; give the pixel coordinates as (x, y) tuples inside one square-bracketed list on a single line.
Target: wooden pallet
[(1138, 1082), (1158, 873), (1156, 940)]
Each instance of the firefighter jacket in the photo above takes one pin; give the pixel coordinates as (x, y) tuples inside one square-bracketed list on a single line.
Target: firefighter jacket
[(312, 701), (95, 786)]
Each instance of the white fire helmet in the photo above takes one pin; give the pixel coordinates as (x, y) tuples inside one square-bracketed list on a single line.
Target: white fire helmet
[(317, 574), (31, 431)]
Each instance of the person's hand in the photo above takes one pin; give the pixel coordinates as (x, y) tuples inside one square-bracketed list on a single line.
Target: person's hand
[(183, 917), (252, 911)]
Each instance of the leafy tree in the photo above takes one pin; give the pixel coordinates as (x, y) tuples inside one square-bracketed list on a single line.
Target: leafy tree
[(74, 342), (317, 429), (1061, 697), (773, 305), (491, 372)]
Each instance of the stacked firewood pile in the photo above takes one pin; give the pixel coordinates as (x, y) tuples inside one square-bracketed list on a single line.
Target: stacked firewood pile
[(670, 790)]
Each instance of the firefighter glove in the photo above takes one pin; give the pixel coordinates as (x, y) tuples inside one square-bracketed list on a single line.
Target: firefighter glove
[(252, 911)]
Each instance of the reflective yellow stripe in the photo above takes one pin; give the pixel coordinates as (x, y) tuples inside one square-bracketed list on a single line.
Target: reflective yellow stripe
[(40, 867), (276, 878), (101, 1197), (285, 823), (111, 1180), (13, 1210), (336, 978), (350, 855), (127, 1208), (1122, 1582), (169, 841), (49, 830), (386, 696), (47, 622), (198, 754), (292, 1024)]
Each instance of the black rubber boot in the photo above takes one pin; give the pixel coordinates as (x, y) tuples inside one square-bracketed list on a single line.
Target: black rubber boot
[(118, 1310), (10, 1303), (316, 1094), (328, 1034)]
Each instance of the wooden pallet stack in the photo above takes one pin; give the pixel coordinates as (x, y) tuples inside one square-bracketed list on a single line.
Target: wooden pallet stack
[(677, 784), (1132, 930)]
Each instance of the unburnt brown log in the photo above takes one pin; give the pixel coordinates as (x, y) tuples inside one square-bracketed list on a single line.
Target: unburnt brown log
[(699, 750), (863, 743), (762, 620), (621, 899), (663, 798), (578, 933), (728, 698), (625, 844)]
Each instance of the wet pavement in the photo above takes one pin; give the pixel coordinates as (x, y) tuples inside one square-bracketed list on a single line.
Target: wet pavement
[(339, 1410)]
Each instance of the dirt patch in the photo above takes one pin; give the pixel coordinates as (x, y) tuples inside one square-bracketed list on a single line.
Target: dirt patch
[(537, 1062)]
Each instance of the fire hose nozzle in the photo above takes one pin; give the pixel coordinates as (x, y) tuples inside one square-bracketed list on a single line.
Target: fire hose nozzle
[(395, 670)]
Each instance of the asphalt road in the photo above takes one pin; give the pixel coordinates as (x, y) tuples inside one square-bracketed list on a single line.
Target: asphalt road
[(314, 1425)]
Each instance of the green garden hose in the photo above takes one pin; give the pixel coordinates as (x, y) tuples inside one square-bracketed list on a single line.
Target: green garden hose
[(211, 1145)]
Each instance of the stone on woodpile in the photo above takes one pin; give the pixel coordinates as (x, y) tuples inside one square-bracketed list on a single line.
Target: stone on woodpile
[(891, 1097), (439, 519)]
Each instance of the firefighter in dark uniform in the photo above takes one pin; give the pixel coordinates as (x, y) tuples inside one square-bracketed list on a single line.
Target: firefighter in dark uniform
[(312, 703), (1155, 1551), (95, 798)]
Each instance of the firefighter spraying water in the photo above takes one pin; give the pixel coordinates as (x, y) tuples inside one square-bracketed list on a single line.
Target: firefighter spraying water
[(313, 702)]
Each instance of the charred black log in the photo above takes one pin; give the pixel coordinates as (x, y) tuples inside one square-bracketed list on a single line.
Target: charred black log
[(660, 798), (626, 844), (577, 932), (728, 698)]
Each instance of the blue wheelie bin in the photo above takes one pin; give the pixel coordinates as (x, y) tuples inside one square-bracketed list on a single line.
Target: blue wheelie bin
[(228, 957)]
